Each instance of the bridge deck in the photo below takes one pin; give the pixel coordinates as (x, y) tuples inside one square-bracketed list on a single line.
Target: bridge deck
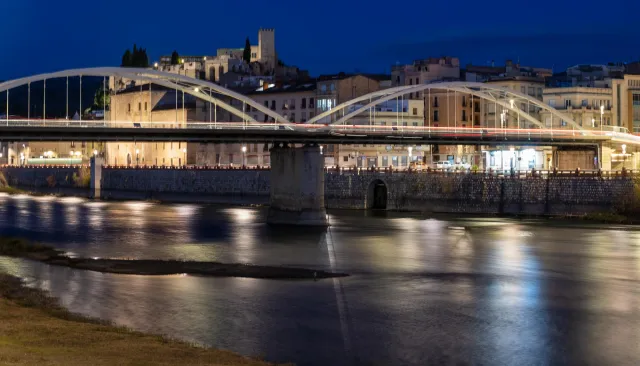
[(230, 132)]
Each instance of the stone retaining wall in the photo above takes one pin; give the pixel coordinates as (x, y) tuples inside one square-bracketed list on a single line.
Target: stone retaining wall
[(464, 193), (479, 193)]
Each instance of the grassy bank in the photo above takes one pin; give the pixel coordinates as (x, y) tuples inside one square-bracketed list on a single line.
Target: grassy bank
[(23, 249), (35, 330)]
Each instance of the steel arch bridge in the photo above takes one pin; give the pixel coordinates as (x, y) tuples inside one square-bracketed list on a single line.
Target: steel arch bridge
[(508, 99), (202, 89)]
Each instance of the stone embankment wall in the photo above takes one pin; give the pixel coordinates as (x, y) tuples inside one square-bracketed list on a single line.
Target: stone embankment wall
[(430, 192), (187, 185), (51, 179), (479, 193)]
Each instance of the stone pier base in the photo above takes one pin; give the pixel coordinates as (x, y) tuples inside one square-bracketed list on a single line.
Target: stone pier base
[(96, 176), (297, 186)]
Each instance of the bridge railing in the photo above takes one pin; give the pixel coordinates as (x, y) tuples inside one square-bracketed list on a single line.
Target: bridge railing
[(507, 173)]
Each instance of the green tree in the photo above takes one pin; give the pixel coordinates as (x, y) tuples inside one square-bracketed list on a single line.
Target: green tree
[(102, 98), (175, 58), (126, 59), (246, 55)]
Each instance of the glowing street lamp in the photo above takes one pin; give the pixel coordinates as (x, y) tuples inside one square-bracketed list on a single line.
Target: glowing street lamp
[(244, 155), (137, 156)]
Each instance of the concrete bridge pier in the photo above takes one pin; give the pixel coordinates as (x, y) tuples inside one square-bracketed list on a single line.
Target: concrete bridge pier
[(297, 186), (96, 176)]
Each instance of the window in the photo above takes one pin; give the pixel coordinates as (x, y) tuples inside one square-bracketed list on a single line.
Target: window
[(345, 158), (303, 104), (435, 102), (464, 101), (532, 90), (332, 87), (417, 81), (310, 102), (410, 81), (266, 103), (273, 105), (539, 93), (567, 103), (129, 107), (552, 102), (435, 116), (385, 161), (323, 88), (415, 111), (585, 102), (414, 124), (563, 123), (303, 117), (139, 106), (145, 106), (523, 89), (464, 115), (404, 160), (292, 105), (293, 117), (404, 123)]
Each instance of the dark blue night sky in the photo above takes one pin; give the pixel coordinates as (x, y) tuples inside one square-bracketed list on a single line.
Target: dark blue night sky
[(322, 36)]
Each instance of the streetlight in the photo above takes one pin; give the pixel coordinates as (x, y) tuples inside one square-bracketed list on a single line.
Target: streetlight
[(321, 148), (95, 152), (244, 155), (155, 65), (137, 156), (601, 115)]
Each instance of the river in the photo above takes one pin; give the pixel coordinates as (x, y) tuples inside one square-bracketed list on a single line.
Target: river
[(422, 291)]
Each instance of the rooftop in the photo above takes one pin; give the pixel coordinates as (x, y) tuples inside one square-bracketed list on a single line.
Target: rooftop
[(285, 88), (342, 75)]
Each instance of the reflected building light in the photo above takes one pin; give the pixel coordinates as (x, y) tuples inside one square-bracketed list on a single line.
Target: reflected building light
[(186, 210), (71, 200), (242, 215)]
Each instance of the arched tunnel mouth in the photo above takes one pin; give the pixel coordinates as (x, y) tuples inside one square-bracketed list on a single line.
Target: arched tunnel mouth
[(377, 195)]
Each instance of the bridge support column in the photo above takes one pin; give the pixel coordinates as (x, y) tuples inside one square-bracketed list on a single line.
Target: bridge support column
[(297, 186), (96, 176), (604, 158)]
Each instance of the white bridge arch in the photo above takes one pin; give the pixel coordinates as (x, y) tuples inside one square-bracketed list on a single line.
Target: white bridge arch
[(198, 88), (506, 98)]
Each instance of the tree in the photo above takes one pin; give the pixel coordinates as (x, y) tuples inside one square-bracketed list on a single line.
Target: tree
[(137, 58), (175, 58), (102, 98), (126, 59), (246, 55)]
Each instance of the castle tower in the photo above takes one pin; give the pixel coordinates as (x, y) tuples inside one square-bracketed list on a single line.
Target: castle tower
[(267, 47)]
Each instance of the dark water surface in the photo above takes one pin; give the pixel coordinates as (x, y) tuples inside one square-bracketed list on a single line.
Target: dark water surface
[(482, 291)]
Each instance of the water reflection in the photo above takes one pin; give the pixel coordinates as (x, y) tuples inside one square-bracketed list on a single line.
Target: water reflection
[(439, 290)]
